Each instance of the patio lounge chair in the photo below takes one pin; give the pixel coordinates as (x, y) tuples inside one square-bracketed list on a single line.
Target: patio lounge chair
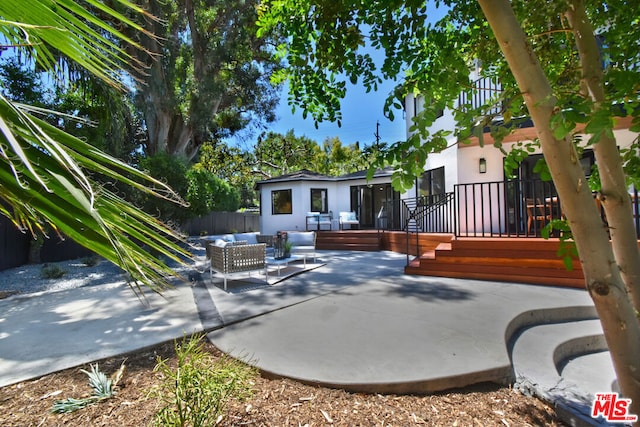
[(315, 221), (348, 218), (228, 258)]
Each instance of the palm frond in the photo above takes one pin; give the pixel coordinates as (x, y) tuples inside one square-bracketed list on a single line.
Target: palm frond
[(45, 173), (43, 29)]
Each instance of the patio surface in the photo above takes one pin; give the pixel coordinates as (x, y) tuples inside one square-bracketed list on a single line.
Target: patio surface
[(356, 322)]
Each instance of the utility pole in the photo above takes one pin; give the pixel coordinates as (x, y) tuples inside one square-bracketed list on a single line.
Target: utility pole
[(377, 134)]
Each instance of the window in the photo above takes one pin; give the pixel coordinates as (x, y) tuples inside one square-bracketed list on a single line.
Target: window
[(319, 200), (432, 182), (281, 202), (418, 106), (587, 161)]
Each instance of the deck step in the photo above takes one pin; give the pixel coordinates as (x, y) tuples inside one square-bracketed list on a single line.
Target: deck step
[(519, 260), (348, 240)]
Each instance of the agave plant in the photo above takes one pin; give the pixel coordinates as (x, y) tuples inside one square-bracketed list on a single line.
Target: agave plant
[(101, 385), (45, 173), (102, 388)]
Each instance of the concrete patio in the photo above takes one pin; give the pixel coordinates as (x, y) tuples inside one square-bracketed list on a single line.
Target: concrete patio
[(368, 329)]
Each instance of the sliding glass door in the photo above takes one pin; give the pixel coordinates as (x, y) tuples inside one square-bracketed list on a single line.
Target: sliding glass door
[(372, 204)]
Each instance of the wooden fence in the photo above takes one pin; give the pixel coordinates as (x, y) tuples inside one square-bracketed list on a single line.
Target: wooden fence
[(14, 245), (223, 222)]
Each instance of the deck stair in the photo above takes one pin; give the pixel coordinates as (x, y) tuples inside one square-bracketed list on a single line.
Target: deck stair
[(520, 260), (348, 240)]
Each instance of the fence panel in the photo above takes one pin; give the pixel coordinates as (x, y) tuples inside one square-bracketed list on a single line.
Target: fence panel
[(55, 249), (223, 222), (14, 245)]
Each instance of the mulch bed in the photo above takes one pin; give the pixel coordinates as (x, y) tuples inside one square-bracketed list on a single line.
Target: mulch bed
[(275, 402)]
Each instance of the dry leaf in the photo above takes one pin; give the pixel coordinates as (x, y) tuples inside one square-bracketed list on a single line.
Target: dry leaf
[(53, 393), (326, 416)]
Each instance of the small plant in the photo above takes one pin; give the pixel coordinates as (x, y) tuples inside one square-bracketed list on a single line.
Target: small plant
[(196, 391), (52, 272), (90, 260), (103, 388)]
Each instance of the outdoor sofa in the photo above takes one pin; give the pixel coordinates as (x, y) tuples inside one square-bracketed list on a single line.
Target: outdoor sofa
[(251, 238)]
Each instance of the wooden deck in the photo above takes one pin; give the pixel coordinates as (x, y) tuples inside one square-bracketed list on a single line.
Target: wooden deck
[(522, 260), (349, 240)]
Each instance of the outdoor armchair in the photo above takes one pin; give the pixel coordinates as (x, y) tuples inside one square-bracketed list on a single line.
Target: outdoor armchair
[(316, 220), (538, 213), (348, 218), (303, 243), (235, 258)]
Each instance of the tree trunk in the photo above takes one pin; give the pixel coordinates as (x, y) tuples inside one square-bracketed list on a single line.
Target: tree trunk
[(614, 193), (602, 274)]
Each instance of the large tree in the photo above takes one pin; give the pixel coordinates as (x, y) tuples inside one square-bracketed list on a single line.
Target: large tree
[(564, 63), (233, 165), (277, 154), (209, 77), (46, 175), (338, 159)]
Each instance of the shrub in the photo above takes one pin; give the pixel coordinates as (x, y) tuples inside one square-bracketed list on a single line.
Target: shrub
[(90, 260), (170, 170), (52, 272), (197, 390), (206, 192)]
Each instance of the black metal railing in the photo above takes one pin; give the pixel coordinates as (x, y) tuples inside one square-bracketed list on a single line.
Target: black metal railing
[(429, 214), (426, 214), (517, 208), (635, 208), (505, 208), (485, 92)]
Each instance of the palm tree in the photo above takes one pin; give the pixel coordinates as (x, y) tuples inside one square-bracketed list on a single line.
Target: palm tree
[(45, 173)]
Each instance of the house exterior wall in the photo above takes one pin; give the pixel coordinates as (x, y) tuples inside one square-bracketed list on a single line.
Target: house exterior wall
[(461, 166), (460, 161), (338, 198), (300, 204)]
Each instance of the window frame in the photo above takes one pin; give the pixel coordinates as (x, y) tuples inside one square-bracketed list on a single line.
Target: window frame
[(281, 203), (325, 207), (428, 177)]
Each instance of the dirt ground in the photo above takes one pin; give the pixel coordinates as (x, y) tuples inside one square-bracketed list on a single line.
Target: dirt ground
[(274, 402)]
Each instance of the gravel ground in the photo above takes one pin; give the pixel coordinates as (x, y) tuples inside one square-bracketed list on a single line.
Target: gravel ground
[(32, 278)]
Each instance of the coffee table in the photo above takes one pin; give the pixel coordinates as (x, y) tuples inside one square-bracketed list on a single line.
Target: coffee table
[(281, 262)]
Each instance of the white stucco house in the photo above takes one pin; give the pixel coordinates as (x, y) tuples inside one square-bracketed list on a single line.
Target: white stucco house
[(287, 200), (481, 198), (463, 189)]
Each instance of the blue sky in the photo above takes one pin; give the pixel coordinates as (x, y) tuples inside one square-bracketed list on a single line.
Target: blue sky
[(360, 111)]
